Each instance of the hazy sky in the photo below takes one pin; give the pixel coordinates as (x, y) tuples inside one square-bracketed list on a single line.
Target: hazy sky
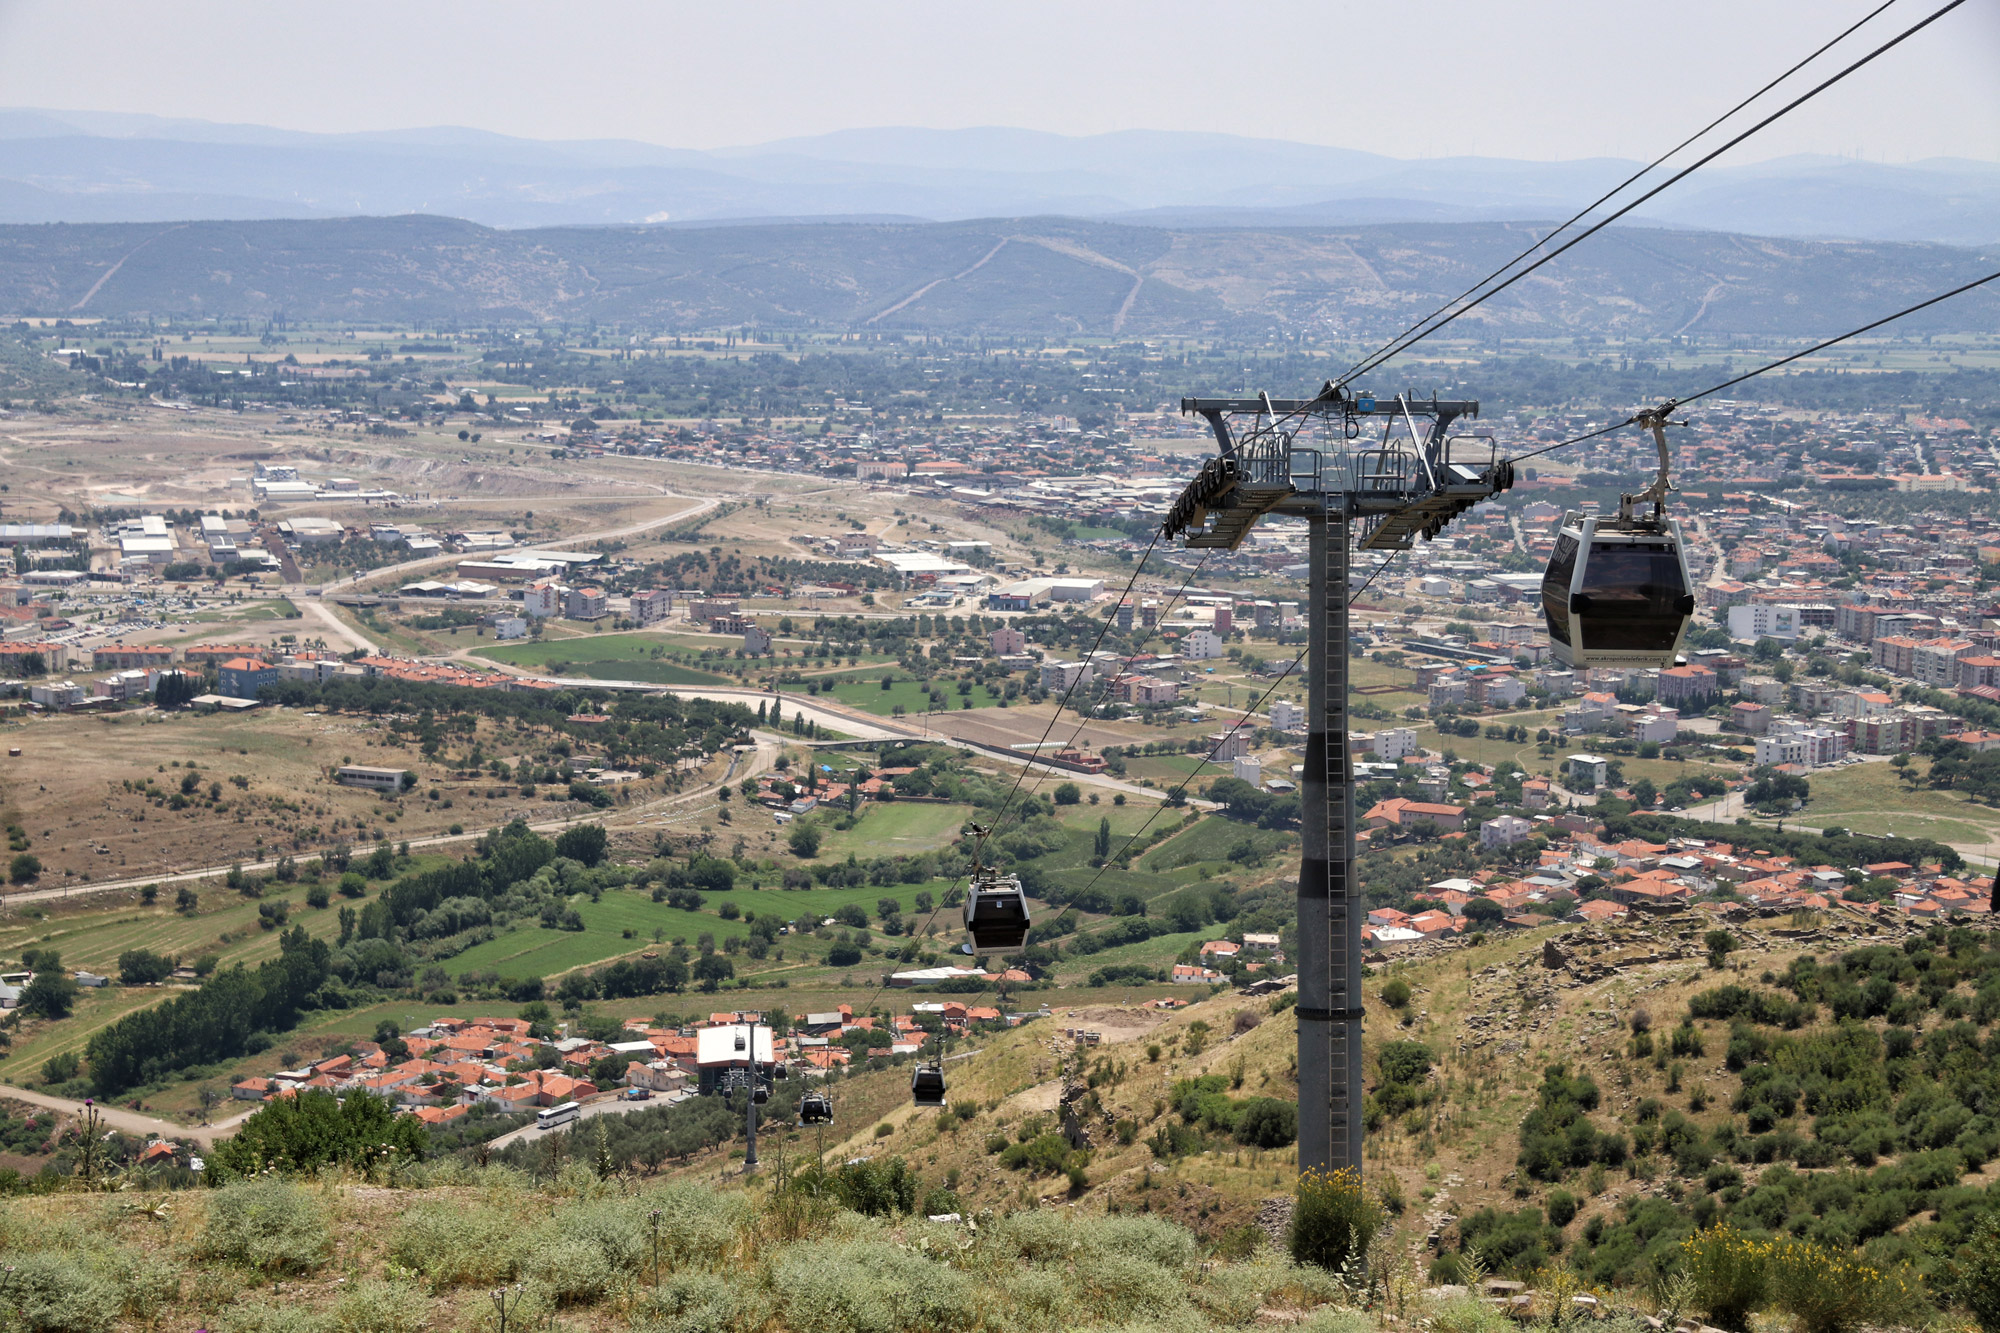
[(1508, 78)]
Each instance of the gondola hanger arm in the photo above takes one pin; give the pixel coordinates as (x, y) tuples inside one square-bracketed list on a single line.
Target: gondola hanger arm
[(1655, 420)]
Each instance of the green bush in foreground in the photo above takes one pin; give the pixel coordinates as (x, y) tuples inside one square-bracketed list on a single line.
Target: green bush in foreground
[(1334, 1221), (270, 1225)]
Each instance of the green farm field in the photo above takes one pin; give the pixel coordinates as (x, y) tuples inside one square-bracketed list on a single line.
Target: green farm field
[(1870, 798), (898, 828), (603, 657)]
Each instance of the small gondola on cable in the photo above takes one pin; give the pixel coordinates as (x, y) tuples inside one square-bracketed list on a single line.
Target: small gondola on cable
[(927, 1085), (1617, 591), (815, 1108), (996, 907)]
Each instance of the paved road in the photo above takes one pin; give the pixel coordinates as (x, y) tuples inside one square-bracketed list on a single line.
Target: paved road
[(132, 1122), (571, 542), (589, 1111)]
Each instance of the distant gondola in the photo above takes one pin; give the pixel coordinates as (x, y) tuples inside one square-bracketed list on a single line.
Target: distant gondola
[(927, 1085), (815, 1108)]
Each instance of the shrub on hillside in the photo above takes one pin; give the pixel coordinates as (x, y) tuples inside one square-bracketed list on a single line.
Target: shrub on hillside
[(871, 1287), (1334, 1221), (582, 1252), (453, 1243), (61, 1293), (1827, 1291), (270, 1225), (1729, 1273)]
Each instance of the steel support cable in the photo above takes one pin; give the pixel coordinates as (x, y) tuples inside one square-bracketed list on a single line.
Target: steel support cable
[(1164, 613), (1714, 389), (1405, 341), (1206, 759), (1078, 680), (1588, 208), (1053, 717)]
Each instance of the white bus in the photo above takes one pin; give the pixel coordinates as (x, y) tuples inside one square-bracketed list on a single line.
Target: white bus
[(557, 1115)]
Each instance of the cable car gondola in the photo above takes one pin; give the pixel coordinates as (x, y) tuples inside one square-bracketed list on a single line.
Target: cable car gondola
[(815, 1108), (1617, 591), (927, 1085), (996, 913)]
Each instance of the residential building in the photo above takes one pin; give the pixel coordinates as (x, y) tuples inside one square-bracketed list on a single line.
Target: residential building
[(1504, 831), (1393, 744), (652, 606), (57, 694), (1058, 677), (1755, 719), (1686, 685), (1398, 812), (1765, 620), (1229, 746), (1935, 661), (756, 640), (542, 601), (1289, 716), (1201, 645), (122, 657), (1895, 653), (1587, 772), (1007, 639), (241, 678), (586, 604)]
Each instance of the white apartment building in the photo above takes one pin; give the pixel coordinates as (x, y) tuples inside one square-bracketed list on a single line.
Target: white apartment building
[(1395, 743), (1504, 831), (1288, 716), (1201, 644), (1059, 676), (1765, 620), (540, 601)]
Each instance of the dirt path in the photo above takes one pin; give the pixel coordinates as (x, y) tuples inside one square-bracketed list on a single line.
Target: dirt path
[(132, 1122), (740, 767), (340, 629)]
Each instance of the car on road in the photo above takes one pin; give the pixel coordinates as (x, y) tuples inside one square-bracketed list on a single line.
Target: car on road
[(637, 1094)]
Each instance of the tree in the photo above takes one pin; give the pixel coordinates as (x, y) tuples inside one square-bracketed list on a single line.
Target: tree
[(186, 900), (582, 842), (804, 839), (1068, 793), (1484, 911), (25, 868), (143, 967), (313, 1131), (49, 995), (1101, 848)]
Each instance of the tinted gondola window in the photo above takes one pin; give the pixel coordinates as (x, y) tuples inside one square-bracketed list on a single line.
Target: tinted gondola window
[(1555, 589), (1631, 597)]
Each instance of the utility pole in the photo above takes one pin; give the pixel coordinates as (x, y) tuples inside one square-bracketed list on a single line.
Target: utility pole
[(1306, 458), (750, 1108)]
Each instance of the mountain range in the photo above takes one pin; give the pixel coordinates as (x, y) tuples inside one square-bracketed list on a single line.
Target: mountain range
[(81, 166), (1033, 276)]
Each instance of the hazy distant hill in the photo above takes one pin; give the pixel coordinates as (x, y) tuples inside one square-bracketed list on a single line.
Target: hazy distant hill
[(1041, 275), (79, 166)]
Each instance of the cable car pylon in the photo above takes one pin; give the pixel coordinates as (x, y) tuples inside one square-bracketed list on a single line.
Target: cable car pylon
[(1308, 458)]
